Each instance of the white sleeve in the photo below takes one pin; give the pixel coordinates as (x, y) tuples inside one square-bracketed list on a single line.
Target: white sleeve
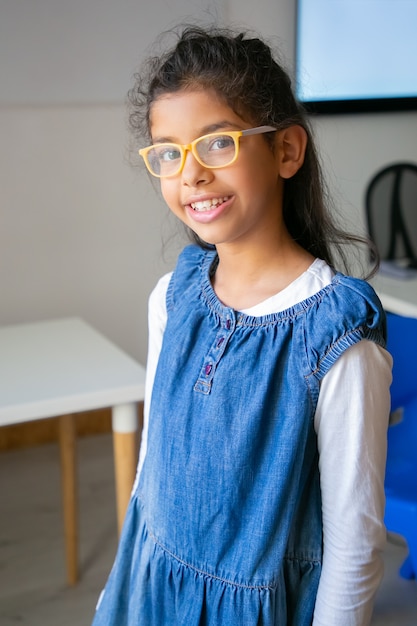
[(351, 423), (157, 317)]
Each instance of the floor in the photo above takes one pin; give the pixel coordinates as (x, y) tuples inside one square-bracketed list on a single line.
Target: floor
[(33, 590)]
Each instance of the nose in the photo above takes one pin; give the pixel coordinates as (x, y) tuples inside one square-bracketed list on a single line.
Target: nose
[(193, 173)]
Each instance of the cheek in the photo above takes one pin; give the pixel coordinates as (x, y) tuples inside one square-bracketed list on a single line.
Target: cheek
[(167, 191), (171, 196)]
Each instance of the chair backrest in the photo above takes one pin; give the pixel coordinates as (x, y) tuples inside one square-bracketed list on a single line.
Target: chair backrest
[(391, 212), (402, 344)]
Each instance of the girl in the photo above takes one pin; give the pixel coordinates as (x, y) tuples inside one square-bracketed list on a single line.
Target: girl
[(260, 496)]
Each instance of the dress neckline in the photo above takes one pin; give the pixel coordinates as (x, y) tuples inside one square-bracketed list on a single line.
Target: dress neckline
[(294, 299)]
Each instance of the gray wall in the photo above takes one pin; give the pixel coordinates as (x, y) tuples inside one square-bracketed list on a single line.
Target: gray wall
[(81, 232)]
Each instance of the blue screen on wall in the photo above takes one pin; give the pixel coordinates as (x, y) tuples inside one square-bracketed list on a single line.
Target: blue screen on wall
[(356, 55)]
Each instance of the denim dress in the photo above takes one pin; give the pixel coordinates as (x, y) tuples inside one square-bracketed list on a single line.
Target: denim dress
[(224, 526)]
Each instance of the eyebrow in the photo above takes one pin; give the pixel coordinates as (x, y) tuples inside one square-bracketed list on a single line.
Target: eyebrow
[(206, 130)]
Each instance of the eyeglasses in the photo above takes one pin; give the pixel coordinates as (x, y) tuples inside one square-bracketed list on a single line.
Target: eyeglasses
[(211, 151)]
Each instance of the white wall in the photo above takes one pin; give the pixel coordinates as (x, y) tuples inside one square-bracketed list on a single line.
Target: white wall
[(354, 147), (81, 233)]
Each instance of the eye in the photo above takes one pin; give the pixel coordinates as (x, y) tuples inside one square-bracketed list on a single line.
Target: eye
[(168, 153), (221, 142)]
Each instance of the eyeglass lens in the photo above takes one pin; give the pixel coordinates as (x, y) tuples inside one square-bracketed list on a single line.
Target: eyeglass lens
[(213, 151)]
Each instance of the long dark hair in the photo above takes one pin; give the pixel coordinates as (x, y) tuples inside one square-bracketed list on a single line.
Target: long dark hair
[(243, 71)]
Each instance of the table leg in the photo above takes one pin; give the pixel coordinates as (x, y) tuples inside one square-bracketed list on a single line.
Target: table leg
[(125, 427), (67, 445)]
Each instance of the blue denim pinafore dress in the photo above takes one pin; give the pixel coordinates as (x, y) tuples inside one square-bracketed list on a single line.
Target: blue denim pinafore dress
[(224, 527)]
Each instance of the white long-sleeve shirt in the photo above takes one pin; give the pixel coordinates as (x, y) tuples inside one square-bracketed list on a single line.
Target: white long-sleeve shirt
[(351, 423)]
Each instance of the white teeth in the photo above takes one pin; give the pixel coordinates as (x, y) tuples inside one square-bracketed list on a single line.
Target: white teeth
[(206, 205)]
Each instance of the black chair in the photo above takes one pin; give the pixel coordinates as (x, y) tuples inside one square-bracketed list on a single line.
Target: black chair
[(391, 213)]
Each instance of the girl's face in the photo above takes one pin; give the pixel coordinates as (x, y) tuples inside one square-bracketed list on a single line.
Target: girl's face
[(236, 204)]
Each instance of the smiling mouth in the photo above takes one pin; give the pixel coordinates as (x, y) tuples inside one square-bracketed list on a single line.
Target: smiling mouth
[(207, 205)]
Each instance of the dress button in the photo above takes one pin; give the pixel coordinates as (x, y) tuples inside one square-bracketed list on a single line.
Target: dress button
[(207, 369)]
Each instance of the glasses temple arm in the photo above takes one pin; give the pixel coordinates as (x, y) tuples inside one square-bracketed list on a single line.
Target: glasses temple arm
[(258, 130)]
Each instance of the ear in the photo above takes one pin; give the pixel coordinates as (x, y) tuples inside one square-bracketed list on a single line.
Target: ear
[(292, 143)]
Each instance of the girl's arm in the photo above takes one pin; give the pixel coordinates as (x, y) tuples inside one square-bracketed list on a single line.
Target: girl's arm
[(157, 316), (351, 423)]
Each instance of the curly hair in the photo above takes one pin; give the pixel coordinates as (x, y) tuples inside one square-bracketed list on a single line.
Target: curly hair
[(244, 73)]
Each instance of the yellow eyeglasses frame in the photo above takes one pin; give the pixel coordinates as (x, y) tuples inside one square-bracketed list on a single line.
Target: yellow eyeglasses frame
[(191, 147)]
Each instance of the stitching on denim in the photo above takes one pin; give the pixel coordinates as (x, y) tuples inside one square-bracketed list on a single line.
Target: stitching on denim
[(303, 559), (292, 313), (335, 346), (352, 336), (207, 574)]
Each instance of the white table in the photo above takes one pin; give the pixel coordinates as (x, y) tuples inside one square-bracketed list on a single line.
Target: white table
[(62, 367), (398, 295)]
